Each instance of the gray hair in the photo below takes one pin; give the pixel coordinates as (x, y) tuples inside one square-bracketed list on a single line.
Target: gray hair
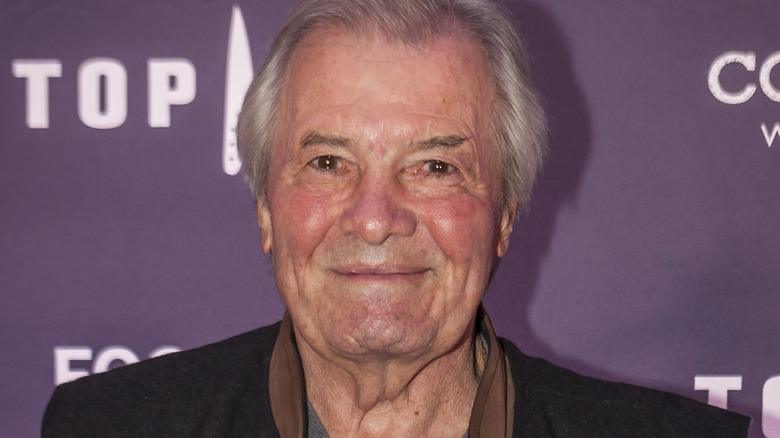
[(517, 124)]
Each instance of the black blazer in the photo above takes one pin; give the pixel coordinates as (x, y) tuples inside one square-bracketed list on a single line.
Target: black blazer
[(221, 390)]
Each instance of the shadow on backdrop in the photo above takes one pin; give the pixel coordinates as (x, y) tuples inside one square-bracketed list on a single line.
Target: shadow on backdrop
[(512, 291), (515, 286)]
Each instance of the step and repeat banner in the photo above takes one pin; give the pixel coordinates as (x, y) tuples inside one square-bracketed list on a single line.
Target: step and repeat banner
[(651, 253)]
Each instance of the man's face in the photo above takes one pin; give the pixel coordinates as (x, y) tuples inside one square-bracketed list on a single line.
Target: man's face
[(382, 215)]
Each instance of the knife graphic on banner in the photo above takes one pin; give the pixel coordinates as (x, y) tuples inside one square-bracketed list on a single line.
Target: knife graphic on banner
[(237, 78)]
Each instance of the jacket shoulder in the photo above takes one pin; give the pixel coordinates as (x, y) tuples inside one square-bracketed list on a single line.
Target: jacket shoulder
[(551, 401), (220, 389)]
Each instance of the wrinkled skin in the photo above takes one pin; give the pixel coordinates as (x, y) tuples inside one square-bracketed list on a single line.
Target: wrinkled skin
[(382, 213)]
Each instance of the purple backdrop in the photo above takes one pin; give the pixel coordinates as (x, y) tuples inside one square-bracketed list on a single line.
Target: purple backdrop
[(650, 254)]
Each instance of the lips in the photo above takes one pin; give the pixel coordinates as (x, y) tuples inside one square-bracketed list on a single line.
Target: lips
[(379, 272)]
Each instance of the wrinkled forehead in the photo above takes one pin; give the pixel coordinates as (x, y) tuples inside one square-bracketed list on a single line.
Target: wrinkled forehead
[(312, 44), (445, 77)]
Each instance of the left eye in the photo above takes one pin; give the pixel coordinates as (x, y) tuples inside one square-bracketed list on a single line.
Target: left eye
[(325, 162), (440, 167)]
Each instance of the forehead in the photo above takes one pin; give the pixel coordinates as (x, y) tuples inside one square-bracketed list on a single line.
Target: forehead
[(442, 82)]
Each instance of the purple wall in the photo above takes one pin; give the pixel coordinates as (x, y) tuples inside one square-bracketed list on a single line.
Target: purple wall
[(650, 254)]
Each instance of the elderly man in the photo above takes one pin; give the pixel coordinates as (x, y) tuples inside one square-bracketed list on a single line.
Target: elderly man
[(389, 145)]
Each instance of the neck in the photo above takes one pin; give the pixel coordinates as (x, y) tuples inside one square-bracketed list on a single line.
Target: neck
[(381, 397)]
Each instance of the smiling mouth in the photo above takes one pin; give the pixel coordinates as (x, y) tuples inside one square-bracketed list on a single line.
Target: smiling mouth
[(379, 273)]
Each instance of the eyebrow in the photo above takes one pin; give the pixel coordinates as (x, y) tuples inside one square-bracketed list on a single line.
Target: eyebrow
[(444, 141), (315, 138)]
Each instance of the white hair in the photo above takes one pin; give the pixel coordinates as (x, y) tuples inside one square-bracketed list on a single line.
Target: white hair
[(517, 122)]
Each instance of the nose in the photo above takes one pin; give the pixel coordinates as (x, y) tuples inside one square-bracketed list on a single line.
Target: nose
[(377, 210)]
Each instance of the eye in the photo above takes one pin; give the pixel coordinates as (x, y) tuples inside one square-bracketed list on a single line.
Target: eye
[(437, 167), (325, 162)]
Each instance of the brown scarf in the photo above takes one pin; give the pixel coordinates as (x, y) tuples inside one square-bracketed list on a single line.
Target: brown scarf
[(492, 415)]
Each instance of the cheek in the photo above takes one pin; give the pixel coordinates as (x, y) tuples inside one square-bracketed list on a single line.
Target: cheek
[(301, 220), (463, 229)]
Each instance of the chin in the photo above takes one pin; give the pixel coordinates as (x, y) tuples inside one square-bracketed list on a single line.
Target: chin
[(388, 334)]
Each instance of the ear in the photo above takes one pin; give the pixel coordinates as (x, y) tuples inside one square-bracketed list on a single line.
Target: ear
[(505, 229), (266, 229)]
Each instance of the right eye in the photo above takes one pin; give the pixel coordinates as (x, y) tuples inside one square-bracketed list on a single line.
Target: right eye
[(325, 162)]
